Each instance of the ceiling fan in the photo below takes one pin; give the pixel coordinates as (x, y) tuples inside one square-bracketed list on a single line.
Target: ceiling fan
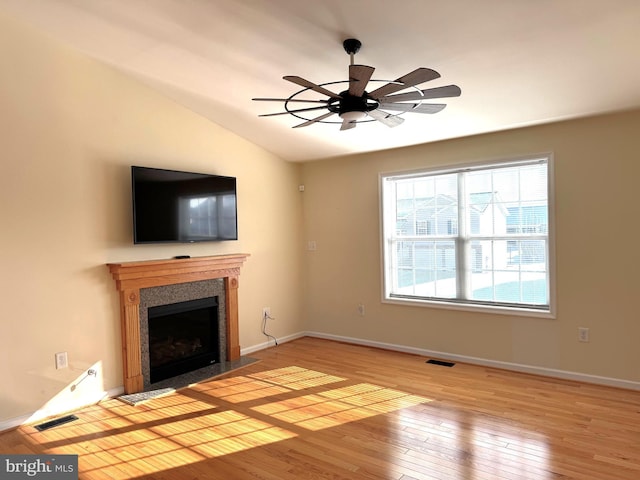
[(356, 105)]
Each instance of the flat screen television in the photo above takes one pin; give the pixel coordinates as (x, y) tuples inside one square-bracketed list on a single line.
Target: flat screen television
[(182, 207)]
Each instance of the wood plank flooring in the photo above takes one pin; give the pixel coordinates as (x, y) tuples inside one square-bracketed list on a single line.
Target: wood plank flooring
[(317, 409)]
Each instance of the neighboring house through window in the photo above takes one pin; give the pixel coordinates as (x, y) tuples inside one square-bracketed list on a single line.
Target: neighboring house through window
[(476, 235)]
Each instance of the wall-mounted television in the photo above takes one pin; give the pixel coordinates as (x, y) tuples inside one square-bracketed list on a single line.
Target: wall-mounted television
[(170, 206)]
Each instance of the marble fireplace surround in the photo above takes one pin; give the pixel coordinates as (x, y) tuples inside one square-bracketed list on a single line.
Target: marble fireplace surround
[(130, 277)]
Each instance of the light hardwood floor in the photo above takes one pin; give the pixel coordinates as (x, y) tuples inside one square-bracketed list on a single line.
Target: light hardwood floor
[(317, 409)]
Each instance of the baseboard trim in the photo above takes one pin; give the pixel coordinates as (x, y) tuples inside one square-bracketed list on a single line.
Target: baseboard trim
[(270, 343), (12, 423), (516, 367), (41, 414)]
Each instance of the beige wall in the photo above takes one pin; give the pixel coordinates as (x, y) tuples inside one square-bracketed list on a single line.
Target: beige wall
[(69, 130), (597, 170)]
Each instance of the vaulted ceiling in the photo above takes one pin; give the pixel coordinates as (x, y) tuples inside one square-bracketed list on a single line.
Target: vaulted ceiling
[(517, 62)]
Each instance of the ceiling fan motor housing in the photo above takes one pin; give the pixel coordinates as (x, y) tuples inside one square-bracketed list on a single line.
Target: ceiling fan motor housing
[(350, 103)]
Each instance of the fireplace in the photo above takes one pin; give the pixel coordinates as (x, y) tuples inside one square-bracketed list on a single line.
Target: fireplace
[(133, 279), (183, 337)]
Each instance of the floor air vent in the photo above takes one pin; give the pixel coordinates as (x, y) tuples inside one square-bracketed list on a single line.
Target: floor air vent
[(55, 423), (441, 363)]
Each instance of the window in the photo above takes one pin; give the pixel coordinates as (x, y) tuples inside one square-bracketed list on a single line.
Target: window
[(475, 236)]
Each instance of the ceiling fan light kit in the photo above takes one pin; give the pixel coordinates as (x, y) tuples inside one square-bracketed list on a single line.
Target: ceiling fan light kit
[(356, 105), (352, 116)]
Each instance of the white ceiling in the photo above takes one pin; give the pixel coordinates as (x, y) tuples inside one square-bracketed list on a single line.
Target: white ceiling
[(518, 62)]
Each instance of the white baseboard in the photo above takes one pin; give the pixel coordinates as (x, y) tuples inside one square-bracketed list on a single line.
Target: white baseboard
[(44, 413), (270, 343), (114, 392), (14, 422), (516, 367)]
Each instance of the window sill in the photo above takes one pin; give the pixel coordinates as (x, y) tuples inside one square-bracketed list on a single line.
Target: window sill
[(512, 311)]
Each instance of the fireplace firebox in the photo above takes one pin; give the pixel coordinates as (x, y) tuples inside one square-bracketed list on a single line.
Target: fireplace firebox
[(183, 337)]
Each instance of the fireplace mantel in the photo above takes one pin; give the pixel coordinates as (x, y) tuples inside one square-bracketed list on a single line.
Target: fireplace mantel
[(130, 277)]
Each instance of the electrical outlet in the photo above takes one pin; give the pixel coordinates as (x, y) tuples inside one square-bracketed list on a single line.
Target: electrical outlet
[(62, 361), (583, 334), (266, 312), (361, 309)]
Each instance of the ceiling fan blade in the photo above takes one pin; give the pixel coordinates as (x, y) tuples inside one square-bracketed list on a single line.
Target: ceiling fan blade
[(348, 125), (288, 100), (307, 84), (314, 120), (386, 118), (416, 77), (359, 76), (292, 111), (438, 92), (413, 107)]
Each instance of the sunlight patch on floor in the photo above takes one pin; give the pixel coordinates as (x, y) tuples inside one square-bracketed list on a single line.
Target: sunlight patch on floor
[(265, 384), (174, 444), (340, 405), (297, 378), (202, 422)]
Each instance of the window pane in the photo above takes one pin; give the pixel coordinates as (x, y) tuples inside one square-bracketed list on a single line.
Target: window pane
[(427, 206), (511, 272), (426, 268), (527, 218), (444, 284), (508, 200)]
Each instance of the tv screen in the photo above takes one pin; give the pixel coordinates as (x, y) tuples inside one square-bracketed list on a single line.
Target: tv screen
[(182, 207)]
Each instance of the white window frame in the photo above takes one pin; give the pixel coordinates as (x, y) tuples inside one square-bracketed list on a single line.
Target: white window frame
[(387, 224)]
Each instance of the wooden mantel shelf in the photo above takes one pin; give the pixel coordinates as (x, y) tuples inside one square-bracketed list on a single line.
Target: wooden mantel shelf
[(130, 277)]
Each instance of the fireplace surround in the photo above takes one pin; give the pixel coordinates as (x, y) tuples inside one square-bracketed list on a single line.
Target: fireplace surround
[(131, 277), (178, 330)]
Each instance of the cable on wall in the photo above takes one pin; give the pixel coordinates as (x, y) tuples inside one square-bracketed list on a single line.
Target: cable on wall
[(266, 317)]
